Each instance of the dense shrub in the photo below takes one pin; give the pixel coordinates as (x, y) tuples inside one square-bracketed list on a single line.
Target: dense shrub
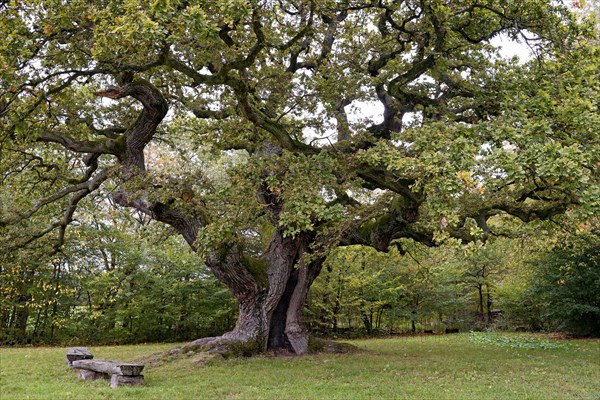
[(566, 286)]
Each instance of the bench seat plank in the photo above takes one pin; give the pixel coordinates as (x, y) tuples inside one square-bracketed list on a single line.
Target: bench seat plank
[(109, 367)]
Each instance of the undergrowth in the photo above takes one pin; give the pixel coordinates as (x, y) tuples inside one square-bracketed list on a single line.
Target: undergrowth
[(518, 342)]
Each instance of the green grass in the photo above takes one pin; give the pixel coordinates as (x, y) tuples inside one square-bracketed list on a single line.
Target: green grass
[(436, 367)]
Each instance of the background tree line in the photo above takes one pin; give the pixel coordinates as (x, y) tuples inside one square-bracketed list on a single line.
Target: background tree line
[(546, 281), (112, 286)]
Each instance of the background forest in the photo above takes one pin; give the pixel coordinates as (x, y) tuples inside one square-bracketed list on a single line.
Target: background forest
[(125, 280)]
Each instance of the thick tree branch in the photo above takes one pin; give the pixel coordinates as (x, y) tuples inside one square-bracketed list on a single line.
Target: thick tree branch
[(108, 146), (211, 114), (143, 129)]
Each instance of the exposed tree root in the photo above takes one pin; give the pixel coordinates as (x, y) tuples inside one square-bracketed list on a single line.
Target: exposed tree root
[(209, 348)]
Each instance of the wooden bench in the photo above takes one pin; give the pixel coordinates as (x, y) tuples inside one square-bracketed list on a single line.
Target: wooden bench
[(119, 373)]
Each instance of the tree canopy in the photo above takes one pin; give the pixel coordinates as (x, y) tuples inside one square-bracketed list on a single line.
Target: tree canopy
[(241, 124)]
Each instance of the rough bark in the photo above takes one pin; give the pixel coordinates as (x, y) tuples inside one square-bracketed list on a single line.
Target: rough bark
[(269, 315), (480, 306), (295, 329), (273, 315), (281, 256)]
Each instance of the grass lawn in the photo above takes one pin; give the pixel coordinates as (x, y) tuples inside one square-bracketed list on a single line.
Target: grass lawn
[(459, 366)]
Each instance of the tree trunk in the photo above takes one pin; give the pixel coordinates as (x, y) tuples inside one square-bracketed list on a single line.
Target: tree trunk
[(488, 303), (367, 322), (480, 305), (270, 313), (22, 314), (277, 338), (337, 304), (280, 327), (379, 318), (38, 320)]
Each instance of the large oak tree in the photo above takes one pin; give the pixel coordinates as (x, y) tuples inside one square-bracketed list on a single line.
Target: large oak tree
[(240, 123)]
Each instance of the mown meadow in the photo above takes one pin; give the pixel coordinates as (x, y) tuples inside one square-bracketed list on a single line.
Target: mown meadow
[(462, 366)]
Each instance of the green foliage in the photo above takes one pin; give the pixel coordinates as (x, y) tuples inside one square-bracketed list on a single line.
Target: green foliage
[(154, 292), (505, 285), (110, 285), (566, 286), (381, 292), (519, 342)]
